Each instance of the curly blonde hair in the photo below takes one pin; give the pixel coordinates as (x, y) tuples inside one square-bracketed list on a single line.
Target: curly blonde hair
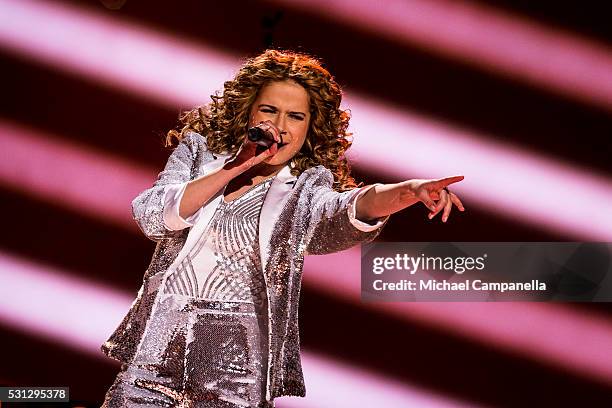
[(224, 121)]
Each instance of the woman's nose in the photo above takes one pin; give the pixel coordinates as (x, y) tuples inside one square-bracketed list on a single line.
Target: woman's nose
[(280, 130), (279, 122)]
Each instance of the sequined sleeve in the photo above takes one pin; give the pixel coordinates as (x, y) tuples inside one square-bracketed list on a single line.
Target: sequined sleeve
[(148, 206), (331, 227)]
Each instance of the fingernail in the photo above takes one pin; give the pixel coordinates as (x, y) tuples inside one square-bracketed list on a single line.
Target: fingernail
[(430, 216), (444, 219)]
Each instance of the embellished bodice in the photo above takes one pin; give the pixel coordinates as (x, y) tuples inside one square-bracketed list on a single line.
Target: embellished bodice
[(224, 263)]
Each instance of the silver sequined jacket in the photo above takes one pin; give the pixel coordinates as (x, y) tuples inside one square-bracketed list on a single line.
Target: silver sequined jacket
[(300, 215)]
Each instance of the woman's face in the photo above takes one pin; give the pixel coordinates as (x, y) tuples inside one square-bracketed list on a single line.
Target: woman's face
[(285, 104)]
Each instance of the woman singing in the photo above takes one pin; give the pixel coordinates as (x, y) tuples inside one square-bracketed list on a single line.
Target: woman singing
[(215, 323)]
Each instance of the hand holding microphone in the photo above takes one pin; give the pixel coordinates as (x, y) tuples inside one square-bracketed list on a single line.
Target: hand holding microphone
[(263, 135), (262, 141)]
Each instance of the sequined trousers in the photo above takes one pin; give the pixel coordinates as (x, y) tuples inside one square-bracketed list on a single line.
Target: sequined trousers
[(228, 370)]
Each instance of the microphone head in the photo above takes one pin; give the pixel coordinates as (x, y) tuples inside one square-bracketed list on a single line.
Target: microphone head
[(260, 136), (263, 137), (256, 133)]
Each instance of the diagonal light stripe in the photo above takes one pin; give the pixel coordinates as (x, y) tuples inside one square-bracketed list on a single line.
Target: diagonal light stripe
[(501, 177), (557, 335), (45, 302), (78, 178), (533, 190), (168, 69), (333, 384), (42, 301), (484, 37)]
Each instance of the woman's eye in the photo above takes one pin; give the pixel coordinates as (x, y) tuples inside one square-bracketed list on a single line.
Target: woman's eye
[(268, 110)]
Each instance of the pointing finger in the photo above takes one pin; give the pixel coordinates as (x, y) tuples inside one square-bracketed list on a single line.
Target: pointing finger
[(443, 182)]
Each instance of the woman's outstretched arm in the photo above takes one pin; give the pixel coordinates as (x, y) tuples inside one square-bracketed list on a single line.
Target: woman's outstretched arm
[(386, 199), (332, 222)]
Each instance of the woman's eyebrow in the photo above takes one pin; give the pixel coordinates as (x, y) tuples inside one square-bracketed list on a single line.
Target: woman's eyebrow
[(274, 107)]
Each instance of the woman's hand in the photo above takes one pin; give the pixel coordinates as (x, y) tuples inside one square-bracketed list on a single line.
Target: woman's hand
[(430, 191), (387, 199), (250, 153)]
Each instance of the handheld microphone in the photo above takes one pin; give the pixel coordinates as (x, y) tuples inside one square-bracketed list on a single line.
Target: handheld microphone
[(263, 137)]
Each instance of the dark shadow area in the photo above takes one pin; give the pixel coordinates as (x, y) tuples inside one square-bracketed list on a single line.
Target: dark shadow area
[(589, 18)]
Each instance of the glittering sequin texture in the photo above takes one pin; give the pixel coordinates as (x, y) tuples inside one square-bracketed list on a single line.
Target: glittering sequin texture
[(311, 218), (224, 263)]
